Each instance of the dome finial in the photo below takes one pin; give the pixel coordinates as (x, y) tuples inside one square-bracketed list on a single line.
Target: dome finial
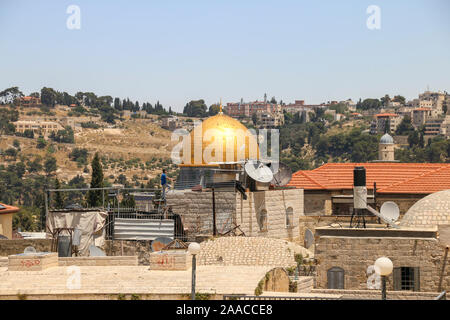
[(220, 108)]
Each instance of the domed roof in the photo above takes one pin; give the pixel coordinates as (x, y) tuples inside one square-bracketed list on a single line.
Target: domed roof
[(430, 211), (237, 141), (386, 139)]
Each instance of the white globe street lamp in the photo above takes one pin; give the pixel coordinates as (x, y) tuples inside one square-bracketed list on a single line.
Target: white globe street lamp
[(194, 249), (383, 267)]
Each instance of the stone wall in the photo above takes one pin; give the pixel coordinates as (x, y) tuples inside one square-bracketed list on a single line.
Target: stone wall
[(356, 254), (313, 222), (139, 248), (196, 211), (16, 246), (250, 251), (404, 202), (317, 203), (275, 203), (170, 260), (98, 261)]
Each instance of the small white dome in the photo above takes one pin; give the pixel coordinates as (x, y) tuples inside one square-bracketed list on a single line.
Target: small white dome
[(387, 139), (430, 211)]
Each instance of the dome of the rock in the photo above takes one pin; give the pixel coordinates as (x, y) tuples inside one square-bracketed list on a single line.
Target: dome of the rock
[(219, 138)]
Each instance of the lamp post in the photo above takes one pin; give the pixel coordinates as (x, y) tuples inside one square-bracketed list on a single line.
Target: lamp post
[(193, 249), (383, 267)]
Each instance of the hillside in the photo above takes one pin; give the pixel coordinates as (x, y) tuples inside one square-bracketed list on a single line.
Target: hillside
[(131, 147)]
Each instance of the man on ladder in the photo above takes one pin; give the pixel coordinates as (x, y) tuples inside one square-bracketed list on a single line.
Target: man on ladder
[(164, 184)]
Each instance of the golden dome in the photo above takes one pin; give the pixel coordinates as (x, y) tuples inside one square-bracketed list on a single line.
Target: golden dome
[(219, 138)]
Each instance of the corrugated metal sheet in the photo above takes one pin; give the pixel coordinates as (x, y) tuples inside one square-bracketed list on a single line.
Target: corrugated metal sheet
[(143, 229)]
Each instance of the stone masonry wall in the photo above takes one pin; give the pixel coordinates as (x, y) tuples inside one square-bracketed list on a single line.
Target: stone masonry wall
[(196, 211), (139, 248), (276, 203), (356, 254), (9, 247)]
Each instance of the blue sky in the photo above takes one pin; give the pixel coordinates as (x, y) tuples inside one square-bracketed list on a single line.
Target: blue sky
[(176, 51)]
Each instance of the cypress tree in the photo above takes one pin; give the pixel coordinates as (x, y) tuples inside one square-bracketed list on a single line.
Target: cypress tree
[(59, 201), (95, 196)]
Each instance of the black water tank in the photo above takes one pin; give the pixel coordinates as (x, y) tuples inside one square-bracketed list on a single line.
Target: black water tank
[(359, 177), (64, 249)]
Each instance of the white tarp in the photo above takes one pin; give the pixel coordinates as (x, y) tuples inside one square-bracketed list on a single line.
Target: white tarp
[(91, 224)]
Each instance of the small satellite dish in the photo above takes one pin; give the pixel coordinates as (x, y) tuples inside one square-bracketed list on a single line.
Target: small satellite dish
[(258, 171), (309, 238), (390, 210), (160, 243), (96, 251), (282, 176), (29, 250), (3, 237)]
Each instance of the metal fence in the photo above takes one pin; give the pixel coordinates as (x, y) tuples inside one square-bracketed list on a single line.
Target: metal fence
[(148, 219)]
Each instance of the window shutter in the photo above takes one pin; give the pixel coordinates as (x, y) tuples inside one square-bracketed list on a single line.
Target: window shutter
[(335, 277), (416, 278), (397, 279)]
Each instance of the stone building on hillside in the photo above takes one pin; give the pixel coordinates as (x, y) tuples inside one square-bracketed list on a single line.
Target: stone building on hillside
[(417, 250)]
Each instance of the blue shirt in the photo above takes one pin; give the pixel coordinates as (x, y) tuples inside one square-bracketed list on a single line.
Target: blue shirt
[(163, 179)]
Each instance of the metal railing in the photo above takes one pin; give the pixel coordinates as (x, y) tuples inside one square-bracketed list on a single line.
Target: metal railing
[(442, 296), (246, 297)]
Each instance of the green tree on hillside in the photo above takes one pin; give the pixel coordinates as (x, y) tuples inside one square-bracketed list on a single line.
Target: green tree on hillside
[(405, 127), (59, 200), (95, 196), (195, 108), (50, 165)]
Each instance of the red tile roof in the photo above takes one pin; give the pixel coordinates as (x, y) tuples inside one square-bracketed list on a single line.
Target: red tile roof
[(8, 209), (423, 178)]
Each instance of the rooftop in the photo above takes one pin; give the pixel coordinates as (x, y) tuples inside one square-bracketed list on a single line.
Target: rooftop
[(8, 209), (413, 178)]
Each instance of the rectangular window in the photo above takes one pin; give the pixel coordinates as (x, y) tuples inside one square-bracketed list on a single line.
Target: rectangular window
[(406, 278)]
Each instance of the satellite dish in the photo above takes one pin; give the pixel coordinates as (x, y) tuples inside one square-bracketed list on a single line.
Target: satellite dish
[(309, 238), (29, 250), (282, 176), (258, 171), (96, 251), (386, 219), (390, 210), (160, 243), (3, 237)]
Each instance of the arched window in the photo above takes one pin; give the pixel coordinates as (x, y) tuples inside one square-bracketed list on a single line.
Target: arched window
[(335, 278), (289, 217), (262, 220)]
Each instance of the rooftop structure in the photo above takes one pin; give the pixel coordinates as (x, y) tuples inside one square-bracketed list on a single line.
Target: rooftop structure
[(430, 211), (422, 178), (6, 214)]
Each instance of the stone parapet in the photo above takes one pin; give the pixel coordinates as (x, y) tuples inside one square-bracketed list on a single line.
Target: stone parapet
[(99, 261), (32, 262), (170, 260)]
